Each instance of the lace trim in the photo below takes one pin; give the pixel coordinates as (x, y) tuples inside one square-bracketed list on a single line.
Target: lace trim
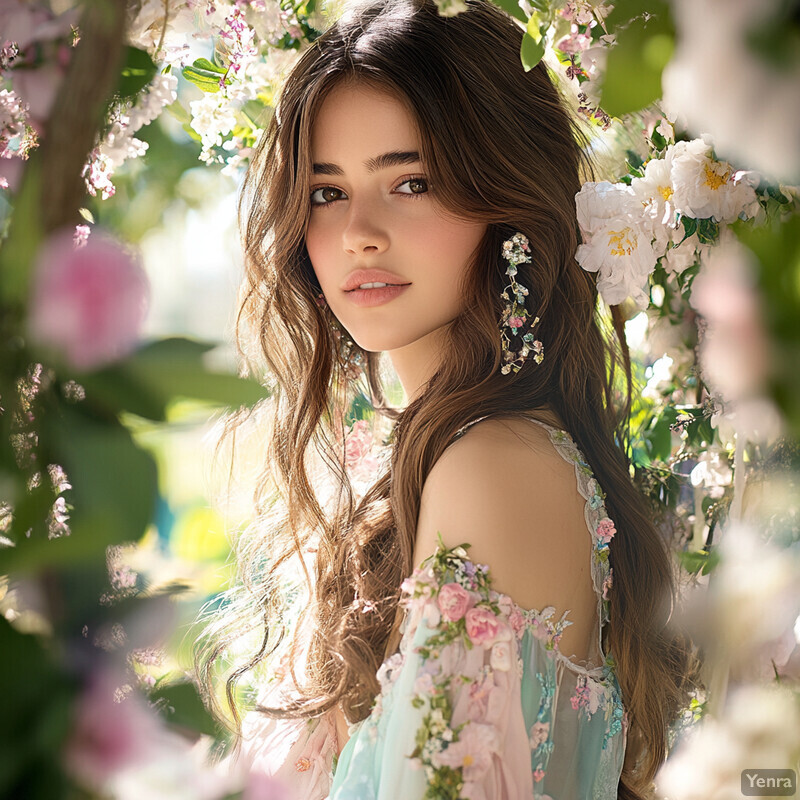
[(601, 528)]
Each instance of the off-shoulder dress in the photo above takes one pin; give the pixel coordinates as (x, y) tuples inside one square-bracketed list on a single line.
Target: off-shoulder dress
[(478, 702)]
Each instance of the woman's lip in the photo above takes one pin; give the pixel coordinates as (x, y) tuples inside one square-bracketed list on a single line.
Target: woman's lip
[(375, 297)]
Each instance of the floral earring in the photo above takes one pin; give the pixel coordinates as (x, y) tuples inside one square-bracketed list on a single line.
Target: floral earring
[(350, 356), (515, 315)]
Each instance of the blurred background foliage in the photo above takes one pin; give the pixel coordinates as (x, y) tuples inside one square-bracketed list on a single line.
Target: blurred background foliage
[(116, 520)]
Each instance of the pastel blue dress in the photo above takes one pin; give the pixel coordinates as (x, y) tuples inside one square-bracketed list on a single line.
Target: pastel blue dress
[(479, 702)]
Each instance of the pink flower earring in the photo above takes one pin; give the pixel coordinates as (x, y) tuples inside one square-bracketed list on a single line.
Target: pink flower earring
[(515, 315), (351, 358)]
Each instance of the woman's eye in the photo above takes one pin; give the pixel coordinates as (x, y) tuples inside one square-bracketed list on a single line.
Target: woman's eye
[(325, 195), (414, 186)]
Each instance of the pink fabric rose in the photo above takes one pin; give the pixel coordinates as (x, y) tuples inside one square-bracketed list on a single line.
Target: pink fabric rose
[(87, 303), (605, 530), (484, 628), (454, 602), (517, 622)]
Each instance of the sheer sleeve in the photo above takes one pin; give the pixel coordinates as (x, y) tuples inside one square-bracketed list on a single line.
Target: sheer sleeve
[(480, 704), (450, 700)]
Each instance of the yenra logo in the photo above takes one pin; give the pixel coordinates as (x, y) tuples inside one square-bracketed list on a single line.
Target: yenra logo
[(771, 782)]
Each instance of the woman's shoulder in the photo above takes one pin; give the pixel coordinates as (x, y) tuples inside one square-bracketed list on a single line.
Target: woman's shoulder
[(508, 487)]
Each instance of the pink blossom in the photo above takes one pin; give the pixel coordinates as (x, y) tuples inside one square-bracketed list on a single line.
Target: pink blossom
[(420, 584), (484, 628), (362, 464), (81, 235), (538, 774), (87, 304), (358, 442), (108, 733), (454, 601), (516, 322), (605, 530), (517, 621), (574, 43), (473, 751)]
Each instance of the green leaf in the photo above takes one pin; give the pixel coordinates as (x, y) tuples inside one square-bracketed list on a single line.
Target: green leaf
[(531, 52), (702, 561), (137, 72), (177, 110), (632, 78), (162, 371), (208, 66), (689, 227), (512, 7), (533, 27), (181, 705), (204, 74), (707, 231), (659, 436)]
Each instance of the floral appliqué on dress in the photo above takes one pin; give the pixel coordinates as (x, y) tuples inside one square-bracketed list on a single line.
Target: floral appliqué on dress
[(453, 597)]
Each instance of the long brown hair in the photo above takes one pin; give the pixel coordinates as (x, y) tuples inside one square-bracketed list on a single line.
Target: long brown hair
[(498, 146)]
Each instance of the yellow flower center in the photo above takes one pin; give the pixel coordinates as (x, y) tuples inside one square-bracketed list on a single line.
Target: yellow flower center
[(468, 760), (621, 242), (666, 192), (713, 178)]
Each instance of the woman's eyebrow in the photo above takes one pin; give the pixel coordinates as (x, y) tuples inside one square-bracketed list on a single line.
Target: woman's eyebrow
[(393, 159)]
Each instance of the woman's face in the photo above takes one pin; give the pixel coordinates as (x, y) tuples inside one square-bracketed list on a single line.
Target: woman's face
[(372, 208)]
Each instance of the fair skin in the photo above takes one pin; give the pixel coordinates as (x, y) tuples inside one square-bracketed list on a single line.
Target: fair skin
[(373, 208)]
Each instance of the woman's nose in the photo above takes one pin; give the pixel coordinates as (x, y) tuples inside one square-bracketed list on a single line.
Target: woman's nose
[(365, 231)]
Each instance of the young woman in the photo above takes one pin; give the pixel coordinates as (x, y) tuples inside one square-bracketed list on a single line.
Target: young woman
[(414, 196)]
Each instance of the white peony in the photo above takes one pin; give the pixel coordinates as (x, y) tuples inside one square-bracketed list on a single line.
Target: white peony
[(655, 192), (705, 188), (617, 241)]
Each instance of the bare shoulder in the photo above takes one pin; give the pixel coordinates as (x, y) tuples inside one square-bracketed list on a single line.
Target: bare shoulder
[(505, 490)]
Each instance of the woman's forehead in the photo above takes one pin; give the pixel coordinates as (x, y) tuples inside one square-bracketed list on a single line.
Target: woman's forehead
[(360, 121)]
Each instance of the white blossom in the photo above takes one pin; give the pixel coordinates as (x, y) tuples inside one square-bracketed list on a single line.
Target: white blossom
[(170, 24), (655, 192), (706, 188), (617, 241), (212, 118)]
